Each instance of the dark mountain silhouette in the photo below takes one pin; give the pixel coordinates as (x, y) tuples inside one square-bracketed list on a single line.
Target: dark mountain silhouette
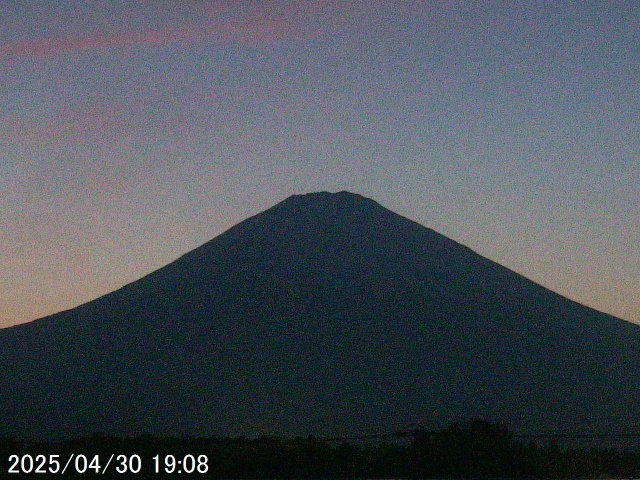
[(326, 314)]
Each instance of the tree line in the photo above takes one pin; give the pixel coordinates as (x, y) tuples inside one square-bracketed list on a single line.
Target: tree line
[(475, 448)]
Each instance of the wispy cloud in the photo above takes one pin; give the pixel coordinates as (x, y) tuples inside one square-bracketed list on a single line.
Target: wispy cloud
[(81, 123), (51, 47), (256, 25)]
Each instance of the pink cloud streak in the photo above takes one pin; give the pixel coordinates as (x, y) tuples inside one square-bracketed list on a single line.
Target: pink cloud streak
[(51, 47), (259, 28), (101, 121)]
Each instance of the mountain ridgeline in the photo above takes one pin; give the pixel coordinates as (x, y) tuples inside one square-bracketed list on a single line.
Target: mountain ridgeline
[(326, 314)]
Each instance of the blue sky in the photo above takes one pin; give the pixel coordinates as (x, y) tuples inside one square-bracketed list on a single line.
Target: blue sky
[(132, 132)]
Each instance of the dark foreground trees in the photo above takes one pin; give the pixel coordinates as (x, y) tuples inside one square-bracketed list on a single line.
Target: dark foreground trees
[(474, 449)]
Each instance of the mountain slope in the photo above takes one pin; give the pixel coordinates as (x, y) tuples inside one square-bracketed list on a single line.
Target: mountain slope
[(325, 314)]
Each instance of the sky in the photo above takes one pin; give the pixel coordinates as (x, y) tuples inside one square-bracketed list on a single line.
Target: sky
[(132, 132)]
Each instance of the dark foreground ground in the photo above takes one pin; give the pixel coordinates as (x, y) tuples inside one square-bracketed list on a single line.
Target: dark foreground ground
[(475, 449)]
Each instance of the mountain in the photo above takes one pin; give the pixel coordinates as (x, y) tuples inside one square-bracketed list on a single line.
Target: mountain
[(326, 314)]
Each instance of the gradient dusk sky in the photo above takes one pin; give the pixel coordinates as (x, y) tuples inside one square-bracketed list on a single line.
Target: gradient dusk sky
[(134, 131)]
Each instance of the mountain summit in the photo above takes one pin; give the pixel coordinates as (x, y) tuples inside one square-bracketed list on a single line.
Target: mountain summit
[(326, 314)]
